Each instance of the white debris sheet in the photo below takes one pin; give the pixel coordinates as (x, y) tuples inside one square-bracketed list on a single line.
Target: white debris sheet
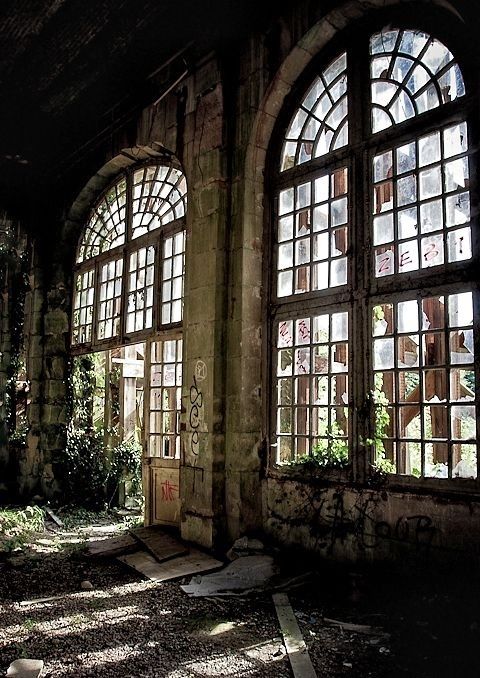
[(249, 573)]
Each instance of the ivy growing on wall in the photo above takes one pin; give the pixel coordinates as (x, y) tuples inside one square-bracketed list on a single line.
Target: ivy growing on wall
[(14, 284)]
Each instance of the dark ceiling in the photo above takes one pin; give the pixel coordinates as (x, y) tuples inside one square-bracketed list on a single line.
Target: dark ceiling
[(71, 71)]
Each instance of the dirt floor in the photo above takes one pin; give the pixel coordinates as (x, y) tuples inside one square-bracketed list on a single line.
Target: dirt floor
[(125, 625)]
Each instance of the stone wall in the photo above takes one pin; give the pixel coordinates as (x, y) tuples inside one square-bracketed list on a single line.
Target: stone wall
[(359, 524), (218, 123)]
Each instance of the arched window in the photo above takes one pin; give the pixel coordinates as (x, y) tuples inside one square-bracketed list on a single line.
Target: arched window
[(130, 259), (373, 300)]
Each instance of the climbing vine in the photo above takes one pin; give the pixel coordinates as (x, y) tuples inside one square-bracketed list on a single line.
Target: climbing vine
[(14, 284)]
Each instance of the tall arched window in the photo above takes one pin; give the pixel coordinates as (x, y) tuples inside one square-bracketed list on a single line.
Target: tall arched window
[(373, 302), (130, 259), (128, 300)]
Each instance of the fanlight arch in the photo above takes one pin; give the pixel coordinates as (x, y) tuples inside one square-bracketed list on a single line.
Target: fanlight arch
[(131, 257)]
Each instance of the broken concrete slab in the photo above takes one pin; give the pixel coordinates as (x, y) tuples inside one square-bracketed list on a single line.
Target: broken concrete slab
[(239, 577), (162, 545), (146, 564), (25, 668)]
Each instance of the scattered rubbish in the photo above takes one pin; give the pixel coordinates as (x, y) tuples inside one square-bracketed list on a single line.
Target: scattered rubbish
[(25, 668), (245, 547), (54, 517), (348, 626), (86, 585), (195, 561), (300, 661), (239, 577)]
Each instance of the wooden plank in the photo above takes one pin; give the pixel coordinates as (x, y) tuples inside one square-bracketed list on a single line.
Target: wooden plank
[(115, 546), (160, 544), (300, 661), (194, 562), (54, 517), (36, 601), (347, 626)]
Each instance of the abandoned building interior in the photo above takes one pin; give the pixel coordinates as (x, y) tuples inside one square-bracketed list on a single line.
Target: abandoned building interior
[(245, 239)]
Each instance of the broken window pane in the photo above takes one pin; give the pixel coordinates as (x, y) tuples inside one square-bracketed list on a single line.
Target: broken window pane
[(410, 86), (312, 381), (426, 206), (434, 402)]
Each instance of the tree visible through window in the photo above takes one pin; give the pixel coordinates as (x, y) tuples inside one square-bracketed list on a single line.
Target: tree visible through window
[(373, 300)]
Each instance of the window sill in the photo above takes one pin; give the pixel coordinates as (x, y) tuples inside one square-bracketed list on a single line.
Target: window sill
[(311, 473)]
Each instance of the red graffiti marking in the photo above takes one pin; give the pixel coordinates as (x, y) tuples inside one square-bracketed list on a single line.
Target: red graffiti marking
[(169, 491)]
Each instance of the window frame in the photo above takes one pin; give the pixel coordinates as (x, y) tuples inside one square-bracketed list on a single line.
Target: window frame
[(363, 289), (155, 238)]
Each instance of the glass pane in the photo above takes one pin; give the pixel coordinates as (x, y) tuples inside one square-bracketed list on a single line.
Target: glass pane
[(407, 69)]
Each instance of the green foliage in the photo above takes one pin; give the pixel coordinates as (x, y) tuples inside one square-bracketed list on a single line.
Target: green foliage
[(96, 461), (126, 464), (378, 400), (85, 468), (91, 473), (17, 526), (19, 437), (331, 452), (14, 267)]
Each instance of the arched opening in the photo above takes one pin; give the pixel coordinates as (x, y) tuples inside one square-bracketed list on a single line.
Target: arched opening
[(372, 296), (126, 335)]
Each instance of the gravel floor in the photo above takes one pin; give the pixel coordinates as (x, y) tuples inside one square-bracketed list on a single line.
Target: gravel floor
[(128, 626)]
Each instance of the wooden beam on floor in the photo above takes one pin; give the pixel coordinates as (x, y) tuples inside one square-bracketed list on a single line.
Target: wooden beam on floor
[(300, 661)]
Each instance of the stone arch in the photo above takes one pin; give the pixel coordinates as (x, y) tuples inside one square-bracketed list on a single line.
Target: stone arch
[(247, 297), (99, 182)]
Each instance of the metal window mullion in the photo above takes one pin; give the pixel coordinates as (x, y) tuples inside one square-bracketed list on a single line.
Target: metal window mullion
[(446, 330), (126, 250), (124, 295), (476, 371), (155, 288), (421, 394), (96, 304)]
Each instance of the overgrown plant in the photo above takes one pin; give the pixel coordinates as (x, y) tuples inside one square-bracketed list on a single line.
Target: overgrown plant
[(126, 465), (85, 468), (14, 269), (18, 525), (332, 452), (92, 474)]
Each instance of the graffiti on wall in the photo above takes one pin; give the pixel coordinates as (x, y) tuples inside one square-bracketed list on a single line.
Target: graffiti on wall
[(196, 415), (331, 521)]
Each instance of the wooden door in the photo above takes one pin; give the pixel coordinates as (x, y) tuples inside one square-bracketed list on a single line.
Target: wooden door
[(161, 462)]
